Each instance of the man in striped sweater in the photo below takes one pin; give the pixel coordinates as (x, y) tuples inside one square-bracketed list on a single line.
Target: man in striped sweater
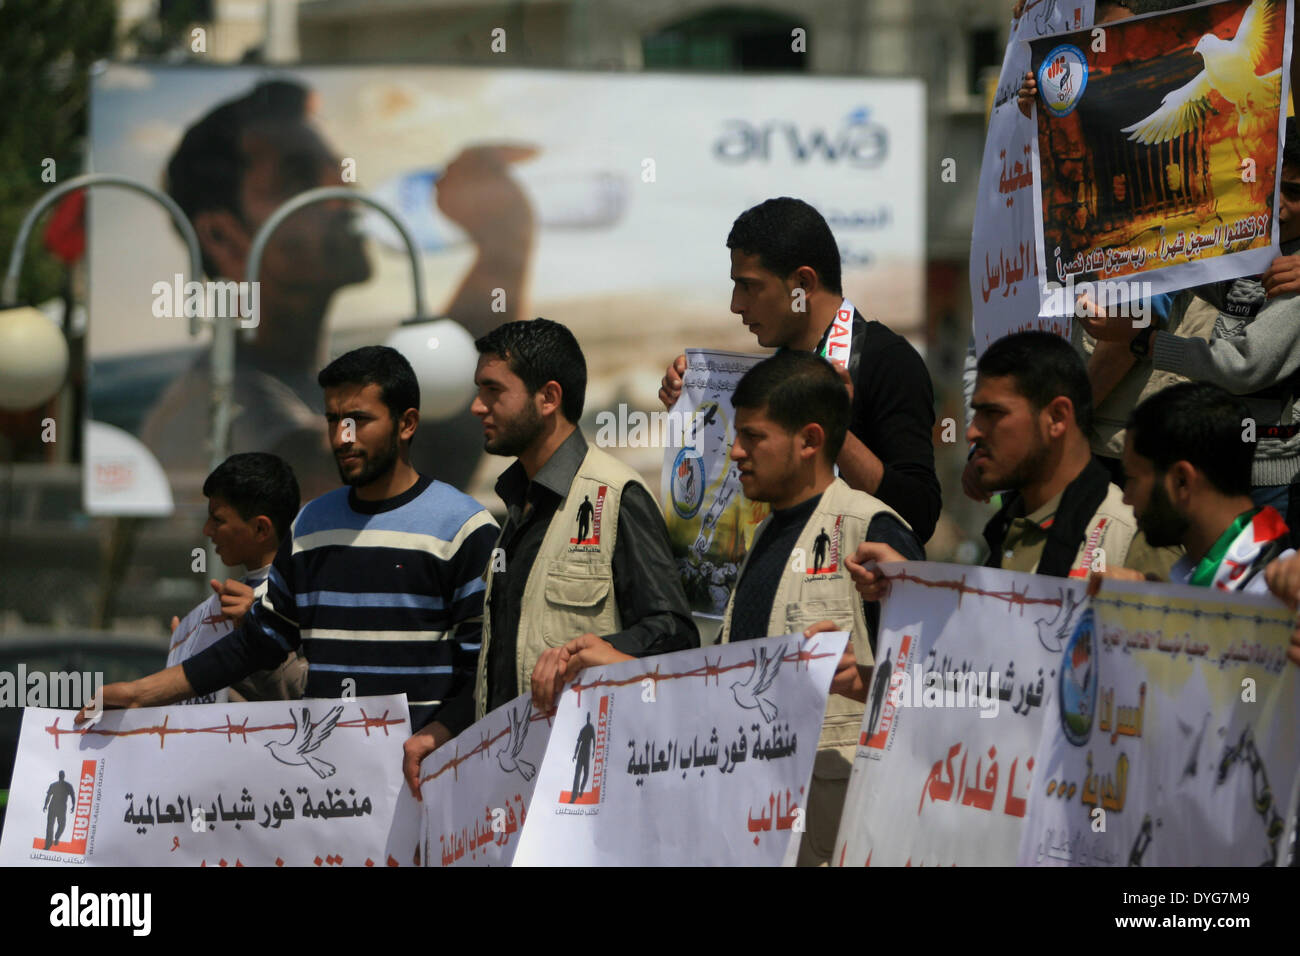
[(379, 583)]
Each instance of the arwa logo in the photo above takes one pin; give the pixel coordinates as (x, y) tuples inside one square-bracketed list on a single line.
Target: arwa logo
[(589, 520), (61, 796), (826, 550), (858, 141), (883, 707), (1062, 78), (589, 757)]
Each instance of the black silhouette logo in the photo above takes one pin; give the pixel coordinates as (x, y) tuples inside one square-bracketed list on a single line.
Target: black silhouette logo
[(820, 545), (585, 511), (582, 759), (57, 798), (884, 670)]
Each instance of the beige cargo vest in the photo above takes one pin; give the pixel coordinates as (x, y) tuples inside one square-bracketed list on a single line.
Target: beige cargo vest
[(570, 589), (1112, 540), (805, 597), (1110, 530)]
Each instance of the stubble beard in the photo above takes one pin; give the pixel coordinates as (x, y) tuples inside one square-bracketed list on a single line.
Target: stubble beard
[(372, 469), (1025, 473), (516, 437)]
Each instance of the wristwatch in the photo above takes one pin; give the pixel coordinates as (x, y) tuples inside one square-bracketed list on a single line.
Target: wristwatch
[(1141, 344)]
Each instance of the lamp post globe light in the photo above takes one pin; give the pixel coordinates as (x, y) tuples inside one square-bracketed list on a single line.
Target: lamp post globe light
[(33, 359)]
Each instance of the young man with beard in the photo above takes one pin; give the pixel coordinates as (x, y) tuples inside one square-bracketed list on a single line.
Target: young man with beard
[(380, 583), (583, 550), (792, 414), (1188, 480), (1062, 515), (785, 271)]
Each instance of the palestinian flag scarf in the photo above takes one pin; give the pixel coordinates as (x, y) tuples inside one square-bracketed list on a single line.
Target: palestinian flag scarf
[(1254, 539)]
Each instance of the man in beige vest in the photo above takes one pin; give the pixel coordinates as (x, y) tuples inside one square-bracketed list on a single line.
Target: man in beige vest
[(792, 414), (1063, 515), (583, 550)]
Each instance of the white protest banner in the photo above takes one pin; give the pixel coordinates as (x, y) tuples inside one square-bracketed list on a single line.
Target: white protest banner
[(1003, 263), (965, 670), (476, 788), (715, 774), (710, 521), (276, 783), (1155, 159), (1172, 741)]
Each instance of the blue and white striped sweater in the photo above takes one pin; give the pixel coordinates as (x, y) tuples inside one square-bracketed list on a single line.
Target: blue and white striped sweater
[(387, 594)]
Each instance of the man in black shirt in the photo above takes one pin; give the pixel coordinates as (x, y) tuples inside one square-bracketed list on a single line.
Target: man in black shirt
[(583, 550), (785, 267)]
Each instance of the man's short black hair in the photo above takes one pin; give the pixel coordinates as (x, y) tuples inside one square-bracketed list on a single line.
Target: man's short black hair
[(1043, 366), (257, 483), (376, 365), (207, 169), (785, 234), (1199, 423), (798, 389), (541, 351)]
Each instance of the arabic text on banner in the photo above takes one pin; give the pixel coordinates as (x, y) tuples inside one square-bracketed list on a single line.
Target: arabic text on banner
[(283, 783), (1003, 264), (965, 670), (476, 789), (1173, 739), (710, 521), (696, 758), (1157, 146)]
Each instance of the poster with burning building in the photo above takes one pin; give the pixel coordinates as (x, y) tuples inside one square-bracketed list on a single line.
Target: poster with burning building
[(1156, 158)]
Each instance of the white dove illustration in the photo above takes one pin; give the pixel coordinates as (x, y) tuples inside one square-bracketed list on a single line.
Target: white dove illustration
[(294, 751), (1229, 68), (1053, 631), (508, 755), (750, 693)]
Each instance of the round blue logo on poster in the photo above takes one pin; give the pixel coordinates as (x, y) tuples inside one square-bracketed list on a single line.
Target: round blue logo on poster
[(1078, 691), (1062, 78), (687, 485)]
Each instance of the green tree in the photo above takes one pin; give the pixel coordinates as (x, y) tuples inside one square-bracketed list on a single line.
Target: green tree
[(47, 48)]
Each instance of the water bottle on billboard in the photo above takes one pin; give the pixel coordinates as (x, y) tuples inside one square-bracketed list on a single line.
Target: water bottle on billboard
[(562, 199)]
